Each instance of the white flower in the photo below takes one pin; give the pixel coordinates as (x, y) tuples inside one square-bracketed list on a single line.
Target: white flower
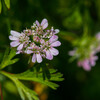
[(36, 41)]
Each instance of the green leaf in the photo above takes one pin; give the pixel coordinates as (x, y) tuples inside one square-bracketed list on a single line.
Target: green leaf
[(22, 89), (7, 59), (33, 75), (30, 94), (21, 93), (7, 2), (0, 6)]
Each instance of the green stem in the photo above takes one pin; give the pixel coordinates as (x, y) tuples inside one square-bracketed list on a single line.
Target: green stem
[(8, 75)]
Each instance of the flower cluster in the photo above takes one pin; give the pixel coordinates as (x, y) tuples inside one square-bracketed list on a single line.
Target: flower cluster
[(86, 54), (36, 41)]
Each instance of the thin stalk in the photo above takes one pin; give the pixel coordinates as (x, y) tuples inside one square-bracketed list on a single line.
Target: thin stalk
[(1, 92)]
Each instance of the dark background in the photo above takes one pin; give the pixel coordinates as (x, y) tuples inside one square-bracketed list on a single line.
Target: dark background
[(71, 17)]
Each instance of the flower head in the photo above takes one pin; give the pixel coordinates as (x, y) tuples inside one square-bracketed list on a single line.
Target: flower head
[(86, 53), (37, 41)]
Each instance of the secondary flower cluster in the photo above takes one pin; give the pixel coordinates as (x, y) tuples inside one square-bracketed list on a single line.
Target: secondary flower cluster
[(86, 53), (36, 41)]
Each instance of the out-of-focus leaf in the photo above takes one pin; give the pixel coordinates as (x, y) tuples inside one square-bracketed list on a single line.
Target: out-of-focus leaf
[(69, 36), (7, 59), (7, 2), (10, 86), (0, 6), (74, 21)]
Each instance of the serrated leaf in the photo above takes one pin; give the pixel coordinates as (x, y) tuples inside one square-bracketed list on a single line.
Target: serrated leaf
[(7, 2), (23, 90), (30, 94), (7, 59), (21, 93), (33, 75), (0, 6)]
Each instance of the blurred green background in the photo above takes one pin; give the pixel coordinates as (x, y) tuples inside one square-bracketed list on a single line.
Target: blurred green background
[(73, 18)]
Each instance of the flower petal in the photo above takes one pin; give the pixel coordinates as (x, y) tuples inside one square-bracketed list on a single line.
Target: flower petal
[(53, 38), (44, 23), (14, 44), (39, 58), (54, 51), (29, 51), (14, 33), (37, 23), (45, 26), (56, 44), (34, 58), (86, 65), (20, 47), (49, 55), (95, 57), (56, 31), (13, 38), (79, 63), (71, 53), (18, 52), (92, 62)]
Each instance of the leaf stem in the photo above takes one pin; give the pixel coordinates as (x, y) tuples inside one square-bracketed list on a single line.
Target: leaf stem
[(1, 92)]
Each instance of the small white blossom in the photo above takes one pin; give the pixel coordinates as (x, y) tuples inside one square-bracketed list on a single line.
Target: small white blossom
[(37, 41)]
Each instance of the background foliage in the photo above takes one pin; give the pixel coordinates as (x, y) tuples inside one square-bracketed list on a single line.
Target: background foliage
[(73, 18)]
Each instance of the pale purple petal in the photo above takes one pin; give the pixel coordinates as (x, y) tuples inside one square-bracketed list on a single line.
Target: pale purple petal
[(29, 51), (53, 38), (45, 26), (44, 23), (39, 58), (79, 63), (56, 44), (14, 33), (18, 52), (92, 62), (54, 51), (20, 47), (13, 38), (49, 55), (86, 65), (30, 47), (37, 23), (71, 53), (56, 31), (14, 44), (98, 35), (95, 57), (34, 58)]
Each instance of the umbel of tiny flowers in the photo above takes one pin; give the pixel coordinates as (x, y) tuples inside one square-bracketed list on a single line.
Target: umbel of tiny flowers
[(86, 55), (37, 41), (87, 61)]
